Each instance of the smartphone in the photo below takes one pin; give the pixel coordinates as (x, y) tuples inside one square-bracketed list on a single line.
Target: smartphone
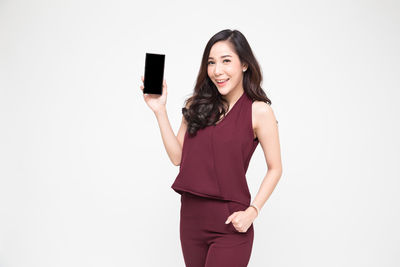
[(153, 73)]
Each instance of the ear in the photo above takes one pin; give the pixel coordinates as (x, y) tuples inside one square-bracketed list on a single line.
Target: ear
[(244, 66)]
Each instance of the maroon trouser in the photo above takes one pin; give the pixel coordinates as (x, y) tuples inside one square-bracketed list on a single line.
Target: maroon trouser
[(205, 238)]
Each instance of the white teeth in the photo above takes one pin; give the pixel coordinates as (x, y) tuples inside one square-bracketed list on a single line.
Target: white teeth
[(220, 81)]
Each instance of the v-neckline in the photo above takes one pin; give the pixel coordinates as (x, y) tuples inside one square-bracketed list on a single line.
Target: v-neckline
[(234, 105)]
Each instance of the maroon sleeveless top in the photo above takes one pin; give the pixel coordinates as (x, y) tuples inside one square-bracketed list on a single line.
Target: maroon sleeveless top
[(214, 162)]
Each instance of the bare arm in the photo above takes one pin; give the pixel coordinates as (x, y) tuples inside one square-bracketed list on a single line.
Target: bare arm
[(266, 129), (173, 144)]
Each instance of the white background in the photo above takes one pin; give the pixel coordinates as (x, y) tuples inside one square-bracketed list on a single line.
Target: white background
[(84, 176)]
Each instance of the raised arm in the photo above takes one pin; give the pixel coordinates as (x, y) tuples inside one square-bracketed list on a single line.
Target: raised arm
[(173, 143)]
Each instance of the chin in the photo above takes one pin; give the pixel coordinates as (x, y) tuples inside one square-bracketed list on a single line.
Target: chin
[(223, 93)]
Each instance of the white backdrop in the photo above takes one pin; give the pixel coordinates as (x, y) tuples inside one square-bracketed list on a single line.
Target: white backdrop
[(84, 176)]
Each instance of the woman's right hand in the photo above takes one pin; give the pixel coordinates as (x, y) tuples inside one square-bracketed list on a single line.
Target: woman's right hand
[(156, 102)]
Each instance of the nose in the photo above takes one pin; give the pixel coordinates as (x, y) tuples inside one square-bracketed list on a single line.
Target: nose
[(217, 69)]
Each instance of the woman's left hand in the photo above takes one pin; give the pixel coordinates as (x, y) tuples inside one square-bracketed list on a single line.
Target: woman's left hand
[(243, 219)]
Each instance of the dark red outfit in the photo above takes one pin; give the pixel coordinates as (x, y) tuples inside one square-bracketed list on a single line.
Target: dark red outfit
[(212, 183)]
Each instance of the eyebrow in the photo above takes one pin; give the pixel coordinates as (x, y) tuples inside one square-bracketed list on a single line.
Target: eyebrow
[(221, 56)]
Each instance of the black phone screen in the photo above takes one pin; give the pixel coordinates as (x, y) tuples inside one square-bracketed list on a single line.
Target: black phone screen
[(153, 73)]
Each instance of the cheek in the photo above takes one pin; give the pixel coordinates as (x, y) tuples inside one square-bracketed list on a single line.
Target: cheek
[(209, 72), (233, 72), (234, 77)]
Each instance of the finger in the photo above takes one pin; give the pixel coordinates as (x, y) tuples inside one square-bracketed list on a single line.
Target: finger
[(229, 219), (142, 78), (164, 86)]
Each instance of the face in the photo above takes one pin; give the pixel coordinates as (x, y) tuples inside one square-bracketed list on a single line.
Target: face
[(223, 63)]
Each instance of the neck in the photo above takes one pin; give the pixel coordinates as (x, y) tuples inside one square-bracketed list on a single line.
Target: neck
[(232, 97)]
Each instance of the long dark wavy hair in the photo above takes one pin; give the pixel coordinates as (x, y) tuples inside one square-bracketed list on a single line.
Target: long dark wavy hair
[(206, 104)]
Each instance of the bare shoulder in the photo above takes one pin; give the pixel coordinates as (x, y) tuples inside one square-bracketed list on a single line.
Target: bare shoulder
[(262, 115), (262, 112), (261, 107), (266, 130)]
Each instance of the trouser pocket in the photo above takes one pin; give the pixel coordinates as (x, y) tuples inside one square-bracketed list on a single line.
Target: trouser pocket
[(232, 207)]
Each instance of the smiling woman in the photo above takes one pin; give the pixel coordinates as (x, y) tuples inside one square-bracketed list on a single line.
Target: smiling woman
[(224, 120)]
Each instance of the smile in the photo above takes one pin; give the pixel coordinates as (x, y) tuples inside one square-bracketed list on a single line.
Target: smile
[(222, 82)]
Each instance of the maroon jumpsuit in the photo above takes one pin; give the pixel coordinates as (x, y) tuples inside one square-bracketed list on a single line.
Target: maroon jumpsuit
[(212, 183)]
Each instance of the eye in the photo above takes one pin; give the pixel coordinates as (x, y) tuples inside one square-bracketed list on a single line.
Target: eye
[(208, 63)]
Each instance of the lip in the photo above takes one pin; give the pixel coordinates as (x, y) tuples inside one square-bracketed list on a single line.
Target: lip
[(223, 84)]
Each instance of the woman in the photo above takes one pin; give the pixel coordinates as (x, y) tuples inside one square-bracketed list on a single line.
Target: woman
[(222, 124)]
